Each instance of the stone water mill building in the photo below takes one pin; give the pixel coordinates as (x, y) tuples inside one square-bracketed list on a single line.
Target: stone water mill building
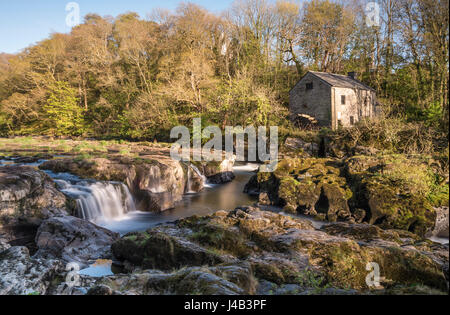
[(331, 100)]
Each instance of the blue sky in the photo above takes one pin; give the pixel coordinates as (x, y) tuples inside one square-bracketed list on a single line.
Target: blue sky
[(25, 22)]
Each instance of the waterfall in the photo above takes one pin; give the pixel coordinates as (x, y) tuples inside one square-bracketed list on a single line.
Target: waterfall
[(99, 201), (188, 183), (249, 167), (197, 171)]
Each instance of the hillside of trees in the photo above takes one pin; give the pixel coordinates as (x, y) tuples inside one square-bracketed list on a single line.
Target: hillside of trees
[(135, 78)]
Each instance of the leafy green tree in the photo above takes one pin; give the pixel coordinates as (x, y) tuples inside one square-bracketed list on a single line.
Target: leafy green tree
[(63, 115)]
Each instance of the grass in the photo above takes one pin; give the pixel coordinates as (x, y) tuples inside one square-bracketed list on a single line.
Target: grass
[(82, 157), (36, 145), (310, 279)]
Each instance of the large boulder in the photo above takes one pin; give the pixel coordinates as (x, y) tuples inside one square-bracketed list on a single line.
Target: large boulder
[(22, 275), (73, 240), (396, 190), (393, 191), (149, 251), (217, 172), (226, 279), (309, 186), (27, 197)]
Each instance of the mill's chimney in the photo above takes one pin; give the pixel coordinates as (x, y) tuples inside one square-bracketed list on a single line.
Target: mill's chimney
[(352, 75)]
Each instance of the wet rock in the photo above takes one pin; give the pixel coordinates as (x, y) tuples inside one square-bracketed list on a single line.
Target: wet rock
[(196, 181), (31, 159), (156, 201), (221, 178), (158, 183), (217, 172), (22, 275), (73, 240), (27, 197)]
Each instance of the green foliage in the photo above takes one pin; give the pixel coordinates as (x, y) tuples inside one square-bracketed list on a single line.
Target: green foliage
[(393, 135), (82, 157), (439, 195), (62, 112), (133, 78), (243, 103), (310, 279), (433, 114)]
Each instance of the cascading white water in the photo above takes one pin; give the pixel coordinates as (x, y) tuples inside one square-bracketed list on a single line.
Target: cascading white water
[(100, 201), (249, 167), (197, 171), (188, 183)]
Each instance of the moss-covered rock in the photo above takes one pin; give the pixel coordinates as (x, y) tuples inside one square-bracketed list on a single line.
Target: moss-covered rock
[(156, 249), (344, 264), (392, 191), (309, 186), (395, 190), (281, 250), (227, 279), (363, 232)]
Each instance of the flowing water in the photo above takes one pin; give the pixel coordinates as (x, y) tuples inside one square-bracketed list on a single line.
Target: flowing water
[(98, 202), (211, 199), (192, 168), (110, 204)]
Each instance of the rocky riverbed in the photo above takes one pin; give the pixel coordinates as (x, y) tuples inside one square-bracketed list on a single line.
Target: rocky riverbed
[(247, 250)]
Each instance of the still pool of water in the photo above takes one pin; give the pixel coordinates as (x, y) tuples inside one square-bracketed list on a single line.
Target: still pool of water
[(100, 268)]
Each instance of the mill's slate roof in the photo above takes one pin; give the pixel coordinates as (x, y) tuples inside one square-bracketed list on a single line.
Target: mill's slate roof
[(342, 81)]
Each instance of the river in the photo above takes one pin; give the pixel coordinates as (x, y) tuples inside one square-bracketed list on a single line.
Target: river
[(211, 199), (110, 204)]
